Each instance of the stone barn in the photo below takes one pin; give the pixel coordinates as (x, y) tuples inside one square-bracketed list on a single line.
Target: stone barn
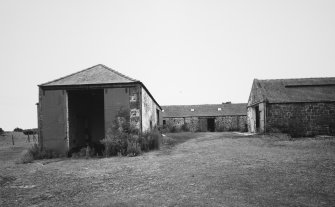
[(79, 109), (300, 107), (208, 117)]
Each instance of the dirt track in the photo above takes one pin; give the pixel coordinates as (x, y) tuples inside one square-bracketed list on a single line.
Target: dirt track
[(214, 169)]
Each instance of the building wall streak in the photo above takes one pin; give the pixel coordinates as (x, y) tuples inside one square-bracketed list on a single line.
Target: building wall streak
[(135, 107), (115, 99), (149, 112)]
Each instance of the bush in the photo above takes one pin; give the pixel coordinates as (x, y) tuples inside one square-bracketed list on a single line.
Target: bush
[(25, 157), (133, 146), (115, 144), (124, 139), (1, 131), (121, 143), (35, 153), (150, 140)]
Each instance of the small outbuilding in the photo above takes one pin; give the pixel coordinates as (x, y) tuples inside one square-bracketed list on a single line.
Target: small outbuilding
[(300, 107), (79, 109), (207, 117)]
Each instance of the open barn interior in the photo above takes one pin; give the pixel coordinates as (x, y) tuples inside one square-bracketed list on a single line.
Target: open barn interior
[(86, 118)]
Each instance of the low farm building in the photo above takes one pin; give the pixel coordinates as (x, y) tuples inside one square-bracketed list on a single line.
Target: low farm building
[(208, 117), (80, 109), (300, 107)]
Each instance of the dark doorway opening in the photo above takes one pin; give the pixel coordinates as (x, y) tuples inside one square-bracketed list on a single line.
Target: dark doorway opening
[(257, 118), (211, 124), (158, 118), (86, 119)]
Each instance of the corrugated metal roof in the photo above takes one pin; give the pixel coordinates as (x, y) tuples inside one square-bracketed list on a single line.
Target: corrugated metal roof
[(205, 110), (293, 90), (99, 74)]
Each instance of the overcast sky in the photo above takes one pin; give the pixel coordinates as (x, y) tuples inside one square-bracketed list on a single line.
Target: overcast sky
[(185, 52)]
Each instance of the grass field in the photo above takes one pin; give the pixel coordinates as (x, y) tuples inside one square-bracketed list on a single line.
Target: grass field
[(201, 169)]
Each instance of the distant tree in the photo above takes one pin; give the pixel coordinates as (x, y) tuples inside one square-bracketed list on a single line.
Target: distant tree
[(1, 131), (28, 132), (17, 129)]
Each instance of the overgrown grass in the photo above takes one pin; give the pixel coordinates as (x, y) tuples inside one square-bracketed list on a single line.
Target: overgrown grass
[(172, 139), (127, 144), (35, 153)]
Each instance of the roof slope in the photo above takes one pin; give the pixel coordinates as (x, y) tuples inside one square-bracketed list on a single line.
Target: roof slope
[(205, 110), (99, 74), (292, 90)]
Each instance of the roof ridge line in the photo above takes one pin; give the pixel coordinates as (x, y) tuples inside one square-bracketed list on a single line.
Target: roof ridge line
[(206, 104), (101, 65), (69, 75), (293, 78), (117, 72)]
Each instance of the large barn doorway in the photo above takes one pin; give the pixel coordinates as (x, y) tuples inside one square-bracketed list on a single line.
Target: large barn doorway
[(211, 124), (207, 124), (85, 119)]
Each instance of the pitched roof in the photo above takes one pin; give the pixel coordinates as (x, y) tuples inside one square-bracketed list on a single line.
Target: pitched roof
[(204, 110), (292, 90), (99, 74)]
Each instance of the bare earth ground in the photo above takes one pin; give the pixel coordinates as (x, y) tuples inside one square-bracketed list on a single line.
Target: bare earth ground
[(206, 169)]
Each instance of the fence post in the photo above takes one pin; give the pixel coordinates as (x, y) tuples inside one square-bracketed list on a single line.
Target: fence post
[(13, 140)]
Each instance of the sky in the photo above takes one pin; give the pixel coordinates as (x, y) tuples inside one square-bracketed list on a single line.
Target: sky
[(184, 51)]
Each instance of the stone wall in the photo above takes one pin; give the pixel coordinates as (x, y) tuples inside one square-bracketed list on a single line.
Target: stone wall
[(175, 122), (192, 123), (301, 119), (222, 123), (231, 123), (243, 124)]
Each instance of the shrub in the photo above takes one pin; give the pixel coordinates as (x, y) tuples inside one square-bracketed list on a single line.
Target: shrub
[(1, 131), (115, 143), (133, 146), (25, 157), (150, 140), (35, 153), (121, 143), (124, 139)]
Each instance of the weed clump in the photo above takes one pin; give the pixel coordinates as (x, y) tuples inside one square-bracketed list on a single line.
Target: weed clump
[(124, 139), (25, 157), (35, 153)]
